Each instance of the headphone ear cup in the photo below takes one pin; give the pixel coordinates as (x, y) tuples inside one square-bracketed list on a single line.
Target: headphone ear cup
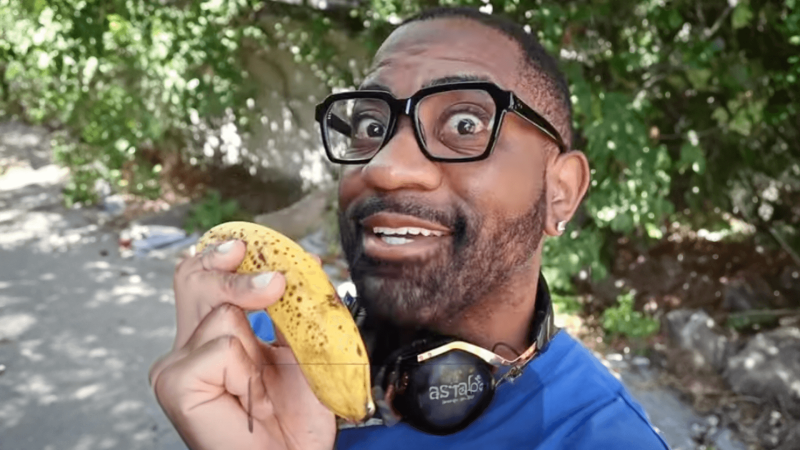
[(384, 408), (444, 394)]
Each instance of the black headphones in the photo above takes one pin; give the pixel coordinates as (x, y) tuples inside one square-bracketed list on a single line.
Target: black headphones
[(441, 384)]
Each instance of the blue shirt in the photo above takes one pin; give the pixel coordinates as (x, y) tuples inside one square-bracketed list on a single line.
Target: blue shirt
[(565, 399)]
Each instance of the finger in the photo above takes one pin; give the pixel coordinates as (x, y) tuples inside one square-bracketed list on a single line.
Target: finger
[(157, 366), (220, 370), (248, 292), (225, 256), (224, 320), (198, 293), (227, 320), (280, 339), (190, 303)]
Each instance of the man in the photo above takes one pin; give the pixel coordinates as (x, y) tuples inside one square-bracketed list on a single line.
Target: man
[(444, 204)]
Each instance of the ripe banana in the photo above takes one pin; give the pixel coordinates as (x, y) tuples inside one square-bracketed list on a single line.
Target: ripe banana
[(317, 326)]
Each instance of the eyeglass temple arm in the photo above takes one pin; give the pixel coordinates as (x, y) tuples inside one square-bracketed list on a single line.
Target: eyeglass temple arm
[(538, 121), (338, 124), (490, 357)]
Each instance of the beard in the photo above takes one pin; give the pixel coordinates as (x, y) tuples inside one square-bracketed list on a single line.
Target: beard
[(478, 258)]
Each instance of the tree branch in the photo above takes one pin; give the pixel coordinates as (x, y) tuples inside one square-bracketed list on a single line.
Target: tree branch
[(714, 28), (338, 14), (782, 242)]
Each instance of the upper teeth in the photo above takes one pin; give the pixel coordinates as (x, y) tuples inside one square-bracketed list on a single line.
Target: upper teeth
[(406, 230)]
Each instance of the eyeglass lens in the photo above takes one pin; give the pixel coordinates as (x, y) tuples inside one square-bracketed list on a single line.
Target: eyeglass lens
[(452, 124)]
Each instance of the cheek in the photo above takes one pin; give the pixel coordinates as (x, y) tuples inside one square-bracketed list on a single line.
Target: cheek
[(505, 185), (350, 185)]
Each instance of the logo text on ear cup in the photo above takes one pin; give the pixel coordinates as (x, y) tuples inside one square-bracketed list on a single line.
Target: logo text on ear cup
[(458, 392)]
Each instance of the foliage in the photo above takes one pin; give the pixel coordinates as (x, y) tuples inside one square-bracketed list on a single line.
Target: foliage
[(623, 320), (568, 305), (212, 211), (754, 320), (686, 109)]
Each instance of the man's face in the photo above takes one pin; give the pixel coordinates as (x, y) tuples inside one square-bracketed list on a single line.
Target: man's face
[(485, 218)]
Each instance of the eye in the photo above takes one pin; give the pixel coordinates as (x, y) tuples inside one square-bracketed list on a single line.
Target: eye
[(369, 128), (465, 124)]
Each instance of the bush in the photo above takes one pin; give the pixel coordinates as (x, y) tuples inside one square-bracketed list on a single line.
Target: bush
[(211, 212), (685, 110), (623, 320)]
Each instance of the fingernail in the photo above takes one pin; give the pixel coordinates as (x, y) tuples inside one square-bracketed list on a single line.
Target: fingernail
[(226, 247), (261, 281)]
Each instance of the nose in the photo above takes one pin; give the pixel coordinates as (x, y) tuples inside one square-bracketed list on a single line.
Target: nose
[(400, 164)]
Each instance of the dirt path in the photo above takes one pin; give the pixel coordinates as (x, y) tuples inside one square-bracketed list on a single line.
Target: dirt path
[(79, 324)]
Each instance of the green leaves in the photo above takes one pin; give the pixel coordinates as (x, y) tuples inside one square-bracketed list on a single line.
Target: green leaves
[(691, 105), (630, 175), (623, 320), (692, 158), (211, 212), (576, 253), (741, 15)]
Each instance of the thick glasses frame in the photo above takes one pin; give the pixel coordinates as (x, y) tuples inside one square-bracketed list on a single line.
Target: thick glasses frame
[(505, 101), (513, 367)]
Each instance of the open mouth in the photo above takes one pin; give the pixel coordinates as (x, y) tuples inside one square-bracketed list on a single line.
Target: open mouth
[(393, 236), (404, 235)]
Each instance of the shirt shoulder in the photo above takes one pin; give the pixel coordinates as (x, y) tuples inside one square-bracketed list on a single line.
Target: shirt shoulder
[(564, 399), (588, 406)]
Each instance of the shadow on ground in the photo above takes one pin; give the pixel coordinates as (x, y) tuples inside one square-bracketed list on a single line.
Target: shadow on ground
[(79, 324)]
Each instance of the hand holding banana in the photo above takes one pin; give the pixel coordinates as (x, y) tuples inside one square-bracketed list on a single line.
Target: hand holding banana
[(221, 385)]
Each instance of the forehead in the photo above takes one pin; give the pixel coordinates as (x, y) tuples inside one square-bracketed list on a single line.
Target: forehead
[(421, 52)]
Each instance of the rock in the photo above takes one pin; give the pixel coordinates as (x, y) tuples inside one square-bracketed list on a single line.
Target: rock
[(775, 418), (791, 441), (694, 330), (114, 205), (768, 367), (640, 361), (299, 219), (725, 440), (790, 281), (747, 292), (676, 421), (698, 431)]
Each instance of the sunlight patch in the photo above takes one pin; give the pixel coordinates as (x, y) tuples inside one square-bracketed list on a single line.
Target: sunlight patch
[(87, 391), (126, 406), (11, 412), (28, 350), (14, 325)]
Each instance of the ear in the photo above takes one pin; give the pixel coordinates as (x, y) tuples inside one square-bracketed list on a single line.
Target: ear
[(567, 182)]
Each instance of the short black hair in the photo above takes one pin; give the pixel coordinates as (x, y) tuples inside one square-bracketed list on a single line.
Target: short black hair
[(536, 57)]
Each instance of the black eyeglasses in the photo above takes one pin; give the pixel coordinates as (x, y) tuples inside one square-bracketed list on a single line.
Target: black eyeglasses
[(457, 122)]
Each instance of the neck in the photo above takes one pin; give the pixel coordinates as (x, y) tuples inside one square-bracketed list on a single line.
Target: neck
[(502, 322)]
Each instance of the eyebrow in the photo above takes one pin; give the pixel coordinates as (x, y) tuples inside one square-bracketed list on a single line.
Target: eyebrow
[(375, 86), (455, 79)]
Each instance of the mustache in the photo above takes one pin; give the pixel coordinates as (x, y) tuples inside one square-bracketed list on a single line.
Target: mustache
[(376, 204)]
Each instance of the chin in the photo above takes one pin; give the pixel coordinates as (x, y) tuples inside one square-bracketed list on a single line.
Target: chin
[(397, 300)]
